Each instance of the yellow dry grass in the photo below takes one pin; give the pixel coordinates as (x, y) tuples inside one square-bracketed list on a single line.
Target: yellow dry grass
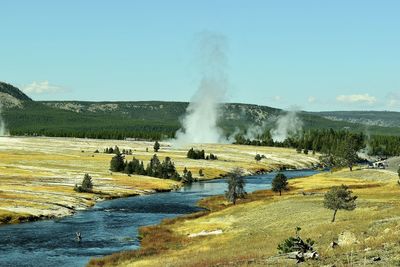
[(252, 230), (37, 174)]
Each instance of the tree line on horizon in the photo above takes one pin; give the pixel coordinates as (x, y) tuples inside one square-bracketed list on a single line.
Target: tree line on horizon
[(329, 141)]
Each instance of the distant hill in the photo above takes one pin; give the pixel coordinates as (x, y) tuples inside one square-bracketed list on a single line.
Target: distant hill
[(142, 119), (11, 96), (372, 118)]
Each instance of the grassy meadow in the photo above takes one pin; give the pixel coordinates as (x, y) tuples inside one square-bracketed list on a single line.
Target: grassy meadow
[(252, 229), (37, 174)]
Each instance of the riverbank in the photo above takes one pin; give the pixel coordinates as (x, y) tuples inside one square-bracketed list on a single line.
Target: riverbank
[(249, 232), (37, 174)]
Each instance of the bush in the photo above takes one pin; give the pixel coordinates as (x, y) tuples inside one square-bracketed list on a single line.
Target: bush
[(296, 244), (87, 185)]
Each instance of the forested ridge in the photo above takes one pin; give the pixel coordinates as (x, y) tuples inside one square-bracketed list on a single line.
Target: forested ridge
[(156, 120)]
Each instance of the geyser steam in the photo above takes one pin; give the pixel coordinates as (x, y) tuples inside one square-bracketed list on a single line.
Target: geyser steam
[(3, 130), (200, 122), (286, 126)]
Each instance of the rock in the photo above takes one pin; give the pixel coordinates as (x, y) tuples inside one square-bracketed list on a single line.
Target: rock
[(301, 257), (347, 238), (205, 233), (377, 258), (334, 244)]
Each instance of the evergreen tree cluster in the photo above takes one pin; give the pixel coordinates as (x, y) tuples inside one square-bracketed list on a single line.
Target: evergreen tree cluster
[(200, 154), (211, 157), (187, 177), (329, 141), (380, 145), (116, 150), (134, 167), (155, 168), (196, 154)]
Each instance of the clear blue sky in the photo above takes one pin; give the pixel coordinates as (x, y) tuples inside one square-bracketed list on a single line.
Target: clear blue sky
[(319, 55)]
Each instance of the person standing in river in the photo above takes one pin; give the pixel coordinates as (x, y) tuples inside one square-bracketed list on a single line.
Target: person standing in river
[(78, 236)]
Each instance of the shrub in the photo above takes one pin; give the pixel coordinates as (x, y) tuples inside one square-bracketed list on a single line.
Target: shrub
[(296, 244), (87, 185)]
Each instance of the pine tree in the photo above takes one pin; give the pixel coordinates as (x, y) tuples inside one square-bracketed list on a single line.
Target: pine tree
[(87, 184), (236, 185), (168, 170), (156, 146), (279, 183), (117, 163), (339, 197), (154, 167), (187, 178)]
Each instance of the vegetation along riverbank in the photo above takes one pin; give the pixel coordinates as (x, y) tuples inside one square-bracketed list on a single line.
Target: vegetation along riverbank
[(38, 174), (248, 233)]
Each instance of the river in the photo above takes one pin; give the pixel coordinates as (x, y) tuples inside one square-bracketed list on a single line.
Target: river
[(109, 226)]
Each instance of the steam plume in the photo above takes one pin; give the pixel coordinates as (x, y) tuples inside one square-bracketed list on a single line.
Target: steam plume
[(286, 126), (200, 122), (3, 130)]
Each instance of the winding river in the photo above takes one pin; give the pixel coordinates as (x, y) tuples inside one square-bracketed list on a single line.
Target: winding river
[(109, 226)]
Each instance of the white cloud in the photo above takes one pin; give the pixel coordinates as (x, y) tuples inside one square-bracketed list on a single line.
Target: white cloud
[(393, 100), (361, 98), (43, 87), (311, 99), (277, 98)]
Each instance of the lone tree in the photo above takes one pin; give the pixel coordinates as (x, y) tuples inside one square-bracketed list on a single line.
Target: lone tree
[(280, 183), (257, 157), (156, 146), (236, 185), (339, 198), (87, 185), (117, 163)]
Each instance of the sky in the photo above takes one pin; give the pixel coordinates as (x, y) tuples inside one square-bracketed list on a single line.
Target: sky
[(314, 55)]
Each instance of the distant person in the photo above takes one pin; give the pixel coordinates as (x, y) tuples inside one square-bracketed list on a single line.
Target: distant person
[(78, 236)]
